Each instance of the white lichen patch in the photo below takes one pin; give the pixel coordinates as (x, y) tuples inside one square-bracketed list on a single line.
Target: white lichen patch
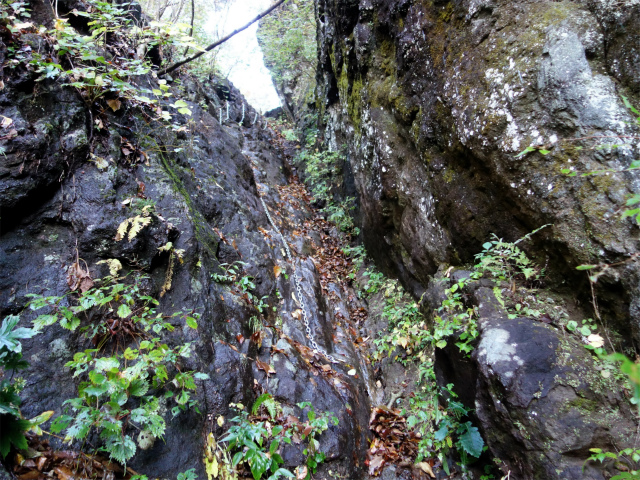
[(495, 348)]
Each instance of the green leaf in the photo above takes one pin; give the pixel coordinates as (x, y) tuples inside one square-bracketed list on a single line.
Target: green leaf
[(130, 354), (12, 433), (138, 387), (471, 441), (107, 364), (124, 311), (96, 378), (96, 390), (44, 321), (191, 322), (586, 267), (120, 449), (525, 151), (441, 434)]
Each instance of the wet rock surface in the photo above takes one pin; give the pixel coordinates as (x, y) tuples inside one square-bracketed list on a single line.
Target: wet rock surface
[(434, 101), (540, 398), (204, 183)]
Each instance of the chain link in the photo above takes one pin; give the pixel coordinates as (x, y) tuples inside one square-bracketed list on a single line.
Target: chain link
[(298, 288)]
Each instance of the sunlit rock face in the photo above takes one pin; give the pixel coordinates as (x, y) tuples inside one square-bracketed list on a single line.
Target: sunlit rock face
[(435, 100)]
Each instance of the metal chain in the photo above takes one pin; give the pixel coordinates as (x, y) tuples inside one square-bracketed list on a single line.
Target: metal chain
[(296, 282)]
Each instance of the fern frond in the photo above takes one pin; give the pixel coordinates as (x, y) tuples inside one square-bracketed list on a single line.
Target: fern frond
[(270, 403), (168, 277), (166, 247), (122, 229), (137, 224), (114, 265)]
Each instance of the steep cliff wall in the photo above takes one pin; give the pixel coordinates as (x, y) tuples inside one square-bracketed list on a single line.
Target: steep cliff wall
[(434, 101), (72, 171)]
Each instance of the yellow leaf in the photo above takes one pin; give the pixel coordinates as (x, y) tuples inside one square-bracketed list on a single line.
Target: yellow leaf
[(166, 247), (220, 420), (426, 468), (595, 340), (211, 467), (122, 229), (114, 104), (6, 121), (114, 265), (137, 224)]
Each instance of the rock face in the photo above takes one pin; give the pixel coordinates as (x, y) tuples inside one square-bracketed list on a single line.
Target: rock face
[(539, 395), (434, 100), (66, 187)]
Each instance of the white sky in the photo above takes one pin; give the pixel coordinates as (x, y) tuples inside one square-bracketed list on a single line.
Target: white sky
[(241, 58)]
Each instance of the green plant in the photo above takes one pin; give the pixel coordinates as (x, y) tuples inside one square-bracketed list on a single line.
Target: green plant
[(113, 393), (257, 444), (188, 475), (630, 456), (12, 424), (250, 440), (288, 41), (505, 260), (230, 272), (376, 280), (315, 425), (358, 254), (290, 135), (339, 214), (95, 64), (408, 329)]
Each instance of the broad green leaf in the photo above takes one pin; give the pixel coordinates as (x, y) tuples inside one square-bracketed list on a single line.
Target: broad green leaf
[(124, 311), (471, 441)]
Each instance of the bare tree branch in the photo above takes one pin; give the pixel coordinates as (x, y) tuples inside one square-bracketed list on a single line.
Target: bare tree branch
[(193, 17), (222, 40)]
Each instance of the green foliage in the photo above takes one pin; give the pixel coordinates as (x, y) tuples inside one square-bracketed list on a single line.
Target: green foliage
[(258, 444), (243, 285), (266, 400), (289, 135), (113, 392), (250, 441), (358, 254), (288, 40), (505, 260), (230, 272), (112, 309), (322, 169), (408, 329), (13, 17), (11, 423), (100, 65), (188, 475), (625, 456), (315, 425)]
